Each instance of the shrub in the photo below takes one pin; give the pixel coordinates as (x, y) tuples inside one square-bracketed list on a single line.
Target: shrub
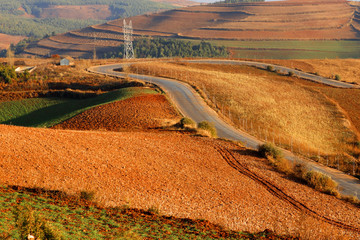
[(282, 165), (268, 150), (291, 73), (86, 195), (299, 170), (29, 222), (270, 68), (154, 210), (208, 127), (351, 199), (337, 77), (321, 182), (187, 122)]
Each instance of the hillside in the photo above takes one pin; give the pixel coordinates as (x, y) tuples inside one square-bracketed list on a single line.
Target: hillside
[(76, 218), (37, 18), (231, 187), (288, 20)]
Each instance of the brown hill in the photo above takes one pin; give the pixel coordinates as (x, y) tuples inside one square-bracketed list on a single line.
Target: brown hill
[(292, 19), (179, 3), (6, 40), (179, 174)]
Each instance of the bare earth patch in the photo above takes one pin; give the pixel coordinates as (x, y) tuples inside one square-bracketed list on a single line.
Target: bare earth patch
[(150, 111), (6, 40), (181, 175)]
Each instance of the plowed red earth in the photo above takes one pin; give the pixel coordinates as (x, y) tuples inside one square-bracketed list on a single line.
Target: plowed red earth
[(182, 175), (149, 111)]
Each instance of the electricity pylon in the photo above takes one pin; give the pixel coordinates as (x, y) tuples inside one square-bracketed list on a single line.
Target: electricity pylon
[(128, 44)]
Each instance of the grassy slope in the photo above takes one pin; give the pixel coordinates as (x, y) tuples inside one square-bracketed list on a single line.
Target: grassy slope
[(83, 220), (47, 112), (272, 105), (292, 49), (347, 69)]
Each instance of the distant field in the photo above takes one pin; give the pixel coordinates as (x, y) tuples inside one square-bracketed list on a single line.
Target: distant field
[(47, 112), (292, 49), (6, 40), (347, 69)]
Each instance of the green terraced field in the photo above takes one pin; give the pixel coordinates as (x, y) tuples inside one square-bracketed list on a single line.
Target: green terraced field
[(74, 218), (292, 49), (47, 112)]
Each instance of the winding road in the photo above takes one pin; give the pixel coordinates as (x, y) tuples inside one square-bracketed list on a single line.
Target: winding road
[(190, 104)]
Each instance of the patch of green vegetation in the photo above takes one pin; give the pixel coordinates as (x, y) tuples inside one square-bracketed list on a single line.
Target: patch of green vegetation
[(268, 150), (12, 20), (35, 27), (71, 218), (209, 127), (47, 112), (162, 47), (291, 49)]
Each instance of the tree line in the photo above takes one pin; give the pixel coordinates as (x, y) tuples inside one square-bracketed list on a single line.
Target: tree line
[(12, 22), (162, 47)]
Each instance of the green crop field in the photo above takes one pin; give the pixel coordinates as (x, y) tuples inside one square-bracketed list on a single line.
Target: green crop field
[(47, 112), (73, 218), (292, 49)]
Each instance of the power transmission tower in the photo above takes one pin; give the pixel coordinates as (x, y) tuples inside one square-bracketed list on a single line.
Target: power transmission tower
[(128, 44)]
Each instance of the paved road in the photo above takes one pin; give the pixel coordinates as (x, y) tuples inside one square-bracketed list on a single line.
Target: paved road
[(190, 104)]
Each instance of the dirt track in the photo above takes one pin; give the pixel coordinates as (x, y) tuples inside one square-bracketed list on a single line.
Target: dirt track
[(182, 175)]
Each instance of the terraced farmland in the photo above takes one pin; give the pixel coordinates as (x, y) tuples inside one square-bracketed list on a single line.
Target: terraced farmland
[(287, 20)]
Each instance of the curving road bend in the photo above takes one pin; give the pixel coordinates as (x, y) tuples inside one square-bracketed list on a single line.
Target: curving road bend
[(190, 104)]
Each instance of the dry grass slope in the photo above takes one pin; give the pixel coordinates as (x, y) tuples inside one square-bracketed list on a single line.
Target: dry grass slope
[(275, 108)]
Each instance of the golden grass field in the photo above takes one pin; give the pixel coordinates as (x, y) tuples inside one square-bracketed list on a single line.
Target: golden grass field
[(269, 106), (347, 69)]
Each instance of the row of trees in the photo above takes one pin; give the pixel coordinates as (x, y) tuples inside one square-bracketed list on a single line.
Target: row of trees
[(14, 25), (162, 47)]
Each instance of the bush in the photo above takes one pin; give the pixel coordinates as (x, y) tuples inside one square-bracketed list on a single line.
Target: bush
[(351, 199), (321, 182), (268, 150), (270, 68), (187, 122), (291, 73), (208, 127), (86, 195), (299, 170), (154, 210), (29, 222), (337, 77), (282, 165)]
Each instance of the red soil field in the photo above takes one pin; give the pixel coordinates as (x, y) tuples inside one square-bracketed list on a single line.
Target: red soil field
[(182, 175), (149, 111), (285, 20), (77, 12), (6, 40)]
